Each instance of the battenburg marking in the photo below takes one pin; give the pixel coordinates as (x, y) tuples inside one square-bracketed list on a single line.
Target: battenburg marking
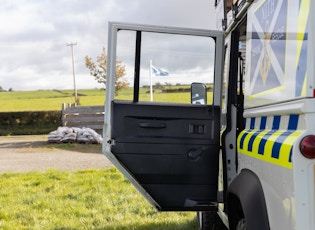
[(271, 145)]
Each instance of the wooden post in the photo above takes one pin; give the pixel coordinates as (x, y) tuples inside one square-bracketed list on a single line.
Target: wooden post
[(63, 109)]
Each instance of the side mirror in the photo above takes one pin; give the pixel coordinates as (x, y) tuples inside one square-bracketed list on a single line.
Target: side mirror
[(198, 93)]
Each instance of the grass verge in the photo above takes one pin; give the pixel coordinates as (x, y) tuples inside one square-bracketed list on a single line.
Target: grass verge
[(89, 199)]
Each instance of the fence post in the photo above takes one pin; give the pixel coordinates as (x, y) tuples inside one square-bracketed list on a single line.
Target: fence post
[(63, 113)]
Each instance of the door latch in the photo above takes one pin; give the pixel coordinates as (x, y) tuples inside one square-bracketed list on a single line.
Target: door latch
[(196, 153)]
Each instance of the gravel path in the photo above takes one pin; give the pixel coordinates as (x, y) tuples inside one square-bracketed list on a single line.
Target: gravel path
[(32, 153)]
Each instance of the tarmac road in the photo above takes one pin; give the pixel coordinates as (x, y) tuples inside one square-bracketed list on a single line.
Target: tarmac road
[(32, 153)]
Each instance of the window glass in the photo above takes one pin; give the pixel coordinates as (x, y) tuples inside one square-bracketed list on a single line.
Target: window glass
[(169, 64), (126, 40)]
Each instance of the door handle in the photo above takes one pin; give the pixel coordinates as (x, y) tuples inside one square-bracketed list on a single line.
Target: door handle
[(154, 125), (193, 154)]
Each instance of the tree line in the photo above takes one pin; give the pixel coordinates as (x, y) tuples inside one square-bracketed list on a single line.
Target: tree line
[(3, 90)]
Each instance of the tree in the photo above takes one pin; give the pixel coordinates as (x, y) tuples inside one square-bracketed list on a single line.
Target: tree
[(99, 71)]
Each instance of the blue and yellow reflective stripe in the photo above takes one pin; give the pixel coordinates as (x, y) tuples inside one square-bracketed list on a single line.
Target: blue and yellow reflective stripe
[(277, 147), (273, 146)]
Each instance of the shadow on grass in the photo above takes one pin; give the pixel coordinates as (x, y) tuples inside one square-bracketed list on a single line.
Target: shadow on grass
[(191, 225), (83, 148), (42, 145), (153, 226), (23, 144)]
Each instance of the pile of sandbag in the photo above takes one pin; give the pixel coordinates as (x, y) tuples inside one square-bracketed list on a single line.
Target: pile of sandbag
[(74, 135)]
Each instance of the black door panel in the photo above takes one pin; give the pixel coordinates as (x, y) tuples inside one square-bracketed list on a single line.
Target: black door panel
[(171, 150), (170, 123)]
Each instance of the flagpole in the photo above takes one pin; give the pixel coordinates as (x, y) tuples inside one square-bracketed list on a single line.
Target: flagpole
[(151, 87)]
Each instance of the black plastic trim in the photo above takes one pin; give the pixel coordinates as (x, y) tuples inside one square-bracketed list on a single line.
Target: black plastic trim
[(137, 67), (245, 197)]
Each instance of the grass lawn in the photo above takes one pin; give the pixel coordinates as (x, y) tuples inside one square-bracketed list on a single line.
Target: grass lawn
[(44, 100), (89, 199)]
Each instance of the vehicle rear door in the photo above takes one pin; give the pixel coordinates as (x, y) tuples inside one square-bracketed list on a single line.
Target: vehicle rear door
[(165, 145)]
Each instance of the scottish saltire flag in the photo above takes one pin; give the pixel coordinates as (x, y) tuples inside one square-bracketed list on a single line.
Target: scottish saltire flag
[(268, 46), (159, 71)]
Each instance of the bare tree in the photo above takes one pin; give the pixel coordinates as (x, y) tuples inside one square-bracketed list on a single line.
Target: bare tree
[(99, 71)]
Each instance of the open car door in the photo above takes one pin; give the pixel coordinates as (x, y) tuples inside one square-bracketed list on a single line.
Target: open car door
[(166, 146)]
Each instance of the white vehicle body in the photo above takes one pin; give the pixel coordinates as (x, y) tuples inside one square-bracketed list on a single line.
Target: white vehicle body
[(266, 145), (279, 107)]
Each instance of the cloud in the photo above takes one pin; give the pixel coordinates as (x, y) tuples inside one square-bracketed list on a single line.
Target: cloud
[(34, 35)]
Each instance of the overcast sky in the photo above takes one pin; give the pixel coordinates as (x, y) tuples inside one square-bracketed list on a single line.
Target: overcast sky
[(34, 34)]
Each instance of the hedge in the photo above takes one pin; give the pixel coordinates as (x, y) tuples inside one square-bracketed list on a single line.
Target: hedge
[(29, 123)]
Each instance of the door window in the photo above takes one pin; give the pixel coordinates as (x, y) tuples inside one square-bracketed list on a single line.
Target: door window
[(168, 65)]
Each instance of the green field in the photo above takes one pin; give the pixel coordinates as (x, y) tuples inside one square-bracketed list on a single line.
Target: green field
[(89, 199), (43, 100), (47, 100)]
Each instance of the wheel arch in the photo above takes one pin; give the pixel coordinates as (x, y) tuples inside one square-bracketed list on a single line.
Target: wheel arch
[(245, 199)]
